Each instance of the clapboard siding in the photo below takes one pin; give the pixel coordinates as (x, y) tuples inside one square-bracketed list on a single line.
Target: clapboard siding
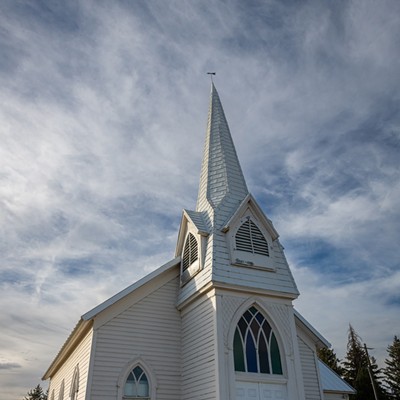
[(80, 356), (149, 329), (198, 351), (309, 369), (280, 280)]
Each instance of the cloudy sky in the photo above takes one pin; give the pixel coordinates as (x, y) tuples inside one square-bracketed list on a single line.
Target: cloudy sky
[(102, 121)]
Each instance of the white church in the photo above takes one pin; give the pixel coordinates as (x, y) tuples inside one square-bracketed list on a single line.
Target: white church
[(217, 322)]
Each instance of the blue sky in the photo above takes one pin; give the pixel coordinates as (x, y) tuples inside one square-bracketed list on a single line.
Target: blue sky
[(103, 115)]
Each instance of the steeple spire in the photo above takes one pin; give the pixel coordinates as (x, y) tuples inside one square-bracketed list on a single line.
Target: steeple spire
[(221, 174)]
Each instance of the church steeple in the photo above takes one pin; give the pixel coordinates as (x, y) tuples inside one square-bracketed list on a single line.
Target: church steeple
[(228, 240), (221, 174)]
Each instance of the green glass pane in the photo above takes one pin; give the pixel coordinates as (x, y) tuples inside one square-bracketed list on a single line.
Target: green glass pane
[(253, 310), (275, 356), (238, 352), (263, 355)]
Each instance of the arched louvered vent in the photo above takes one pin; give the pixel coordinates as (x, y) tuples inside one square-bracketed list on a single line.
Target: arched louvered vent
[(190, 252), (250, 239)]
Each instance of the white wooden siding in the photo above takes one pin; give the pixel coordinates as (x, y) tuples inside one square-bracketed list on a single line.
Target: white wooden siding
[(202, 278), (80, 356), (309, 369), (198, 351), (281, 280), (149, 329)]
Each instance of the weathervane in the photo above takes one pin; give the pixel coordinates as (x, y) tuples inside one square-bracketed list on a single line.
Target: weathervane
[(211, 75)]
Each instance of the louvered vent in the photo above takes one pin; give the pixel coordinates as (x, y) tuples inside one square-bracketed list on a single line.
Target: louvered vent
[(190, 252), (250, 239)]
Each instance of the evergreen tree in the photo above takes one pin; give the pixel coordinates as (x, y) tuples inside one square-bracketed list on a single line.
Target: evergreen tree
[(392, 370), (328, 356), (36, 394), (356, 370)]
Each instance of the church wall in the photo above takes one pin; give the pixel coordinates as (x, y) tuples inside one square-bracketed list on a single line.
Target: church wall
[(309, 369), (80, 357), (198, 350), (149, 330), (281, 280)]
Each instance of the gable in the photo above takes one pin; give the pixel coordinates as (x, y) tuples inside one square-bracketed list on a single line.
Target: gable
[(191, 244), (250, 205)]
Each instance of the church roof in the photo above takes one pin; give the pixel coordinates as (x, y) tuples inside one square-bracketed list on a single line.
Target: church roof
[(86, 321), (197, 218), (317, 337), (221, 174), (332, 382)]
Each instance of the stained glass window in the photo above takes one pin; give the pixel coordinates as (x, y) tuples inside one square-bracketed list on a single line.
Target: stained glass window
[(255, 348), (136, 385)]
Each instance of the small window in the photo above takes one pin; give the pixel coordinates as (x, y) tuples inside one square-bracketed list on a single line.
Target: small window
[(250, 239), (52, 395), (255, 348), (136, 385), (190, 252), (75, 384), (61, 392)]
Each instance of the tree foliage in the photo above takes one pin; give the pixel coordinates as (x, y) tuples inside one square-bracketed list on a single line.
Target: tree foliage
[(328, 356), (392, 370), (36, 394), (356, 371)]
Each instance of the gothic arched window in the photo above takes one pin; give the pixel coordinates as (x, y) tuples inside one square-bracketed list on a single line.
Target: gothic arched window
[(61, 392), (255, 348), (75, 384), (136, 385)]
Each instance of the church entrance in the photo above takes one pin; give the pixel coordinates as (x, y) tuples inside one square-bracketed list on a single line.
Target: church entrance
[(260, 391)]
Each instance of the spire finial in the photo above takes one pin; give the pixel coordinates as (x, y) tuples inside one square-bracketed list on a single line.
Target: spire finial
[(211, 75)]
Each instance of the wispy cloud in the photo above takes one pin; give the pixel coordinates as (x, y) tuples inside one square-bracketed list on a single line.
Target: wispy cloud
[(103, 110)]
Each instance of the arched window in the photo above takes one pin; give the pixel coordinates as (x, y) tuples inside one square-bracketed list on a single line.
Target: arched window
[(61, 392), (255, 348), (75, 384), (136, 385), (250, 239), (190, 252), (52, 395)]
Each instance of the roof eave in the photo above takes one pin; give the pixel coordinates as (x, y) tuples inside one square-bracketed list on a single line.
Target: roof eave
[(317, 337), (80, 330)]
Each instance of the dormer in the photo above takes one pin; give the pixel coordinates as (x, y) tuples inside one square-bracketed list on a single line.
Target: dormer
[(250, 236), (191, 244)]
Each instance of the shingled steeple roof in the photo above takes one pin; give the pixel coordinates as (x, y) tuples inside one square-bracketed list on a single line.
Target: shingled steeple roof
[(221, 174)]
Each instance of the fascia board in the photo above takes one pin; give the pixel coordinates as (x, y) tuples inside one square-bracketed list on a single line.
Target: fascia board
[(112, 300), (179, 243), (310, 330), (80, 330), (251, 202)]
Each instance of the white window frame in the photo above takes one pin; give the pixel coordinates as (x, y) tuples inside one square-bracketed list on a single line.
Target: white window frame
[(73, 394), (127, 369)]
